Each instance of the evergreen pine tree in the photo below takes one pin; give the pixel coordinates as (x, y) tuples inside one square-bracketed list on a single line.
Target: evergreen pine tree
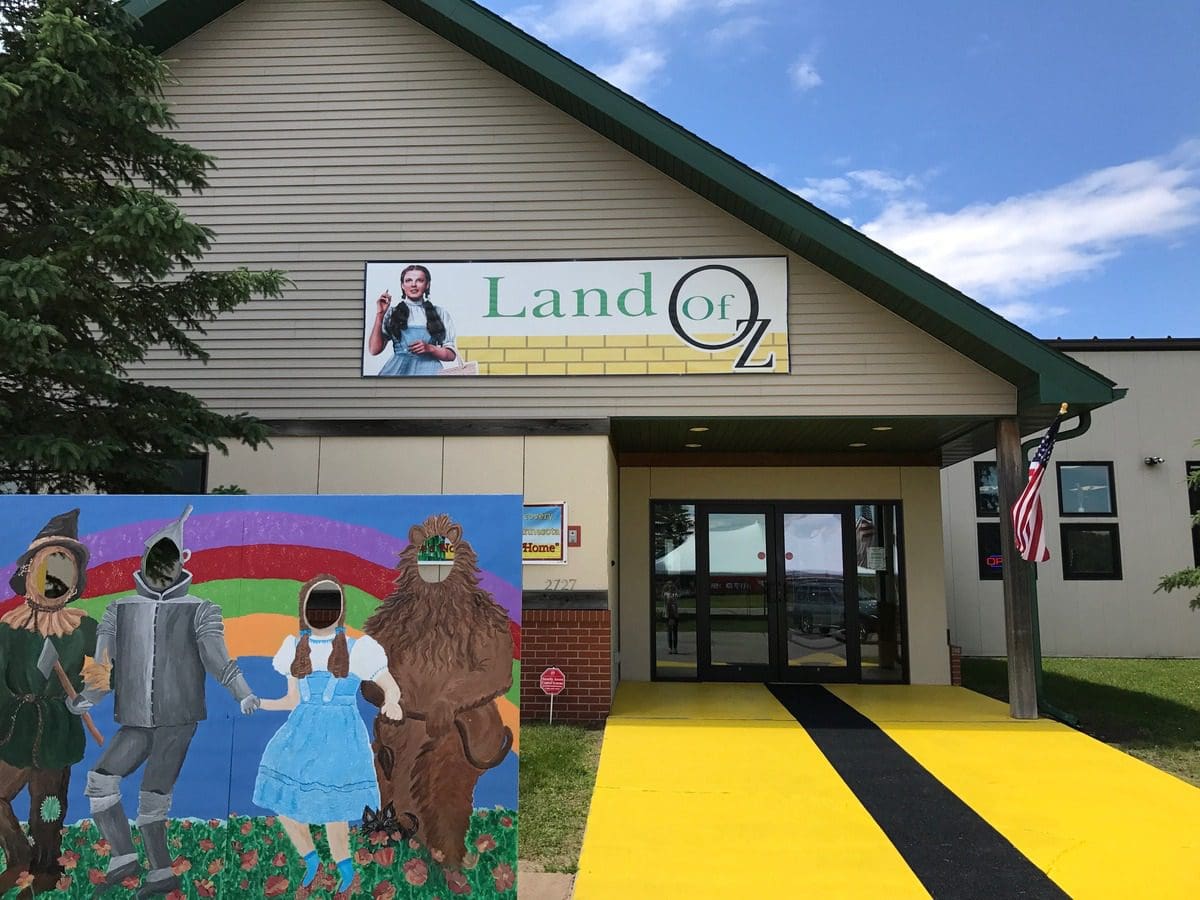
[(97, 263)]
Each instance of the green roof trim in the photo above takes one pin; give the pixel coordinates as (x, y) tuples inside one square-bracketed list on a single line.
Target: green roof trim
[(1043, 376)]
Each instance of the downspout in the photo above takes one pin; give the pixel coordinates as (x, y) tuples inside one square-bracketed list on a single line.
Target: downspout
[(1085, 423)]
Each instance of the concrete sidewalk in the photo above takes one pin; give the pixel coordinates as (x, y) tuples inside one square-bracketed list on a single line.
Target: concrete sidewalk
[(543, 885)]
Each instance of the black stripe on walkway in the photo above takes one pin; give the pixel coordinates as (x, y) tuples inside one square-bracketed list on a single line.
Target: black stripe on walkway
[(952, 850)]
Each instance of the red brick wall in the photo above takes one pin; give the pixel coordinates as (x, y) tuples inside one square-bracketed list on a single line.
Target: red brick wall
[(955, 664), (578, 642)]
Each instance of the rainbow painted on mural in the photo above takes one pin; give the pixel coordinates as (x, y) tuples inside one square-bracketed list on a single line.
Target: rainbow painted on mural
[(256, 584)]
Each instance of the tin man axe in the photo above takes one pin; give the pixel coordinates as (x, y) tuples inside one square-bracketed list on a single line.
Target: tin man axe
[(48, 662)]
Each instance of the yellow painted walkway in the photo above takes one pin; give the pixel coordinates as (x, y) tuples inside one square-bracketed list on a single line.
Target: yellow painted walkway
[(1099, 822), (708, 790)]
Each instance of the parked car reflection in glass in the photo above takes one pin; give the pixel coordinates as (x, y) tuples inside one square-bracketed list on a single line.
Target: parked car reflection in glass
[(816, 605)]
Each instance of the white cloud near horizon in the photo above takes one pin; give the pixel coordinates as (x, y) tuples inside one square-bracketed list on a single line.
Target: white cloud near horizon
[(999, 251)]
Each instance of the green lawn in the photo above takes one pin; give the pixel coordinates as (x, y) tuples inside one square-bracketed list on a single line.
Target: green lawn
[(1149, 708), (558, 771)]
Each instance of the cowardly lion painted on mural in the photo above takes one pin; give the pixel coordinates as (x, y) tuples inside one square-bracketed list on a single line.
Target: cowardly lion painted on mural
[(451, 652)]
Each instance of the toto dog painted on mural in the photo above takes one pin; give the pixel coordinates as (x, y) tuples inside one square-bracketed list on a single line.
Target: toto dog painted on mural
[(451, 652)]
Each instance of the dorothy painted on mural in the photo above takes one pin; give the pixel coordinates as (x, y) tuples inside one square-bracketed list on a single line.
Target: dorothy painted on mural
[(318, 768)]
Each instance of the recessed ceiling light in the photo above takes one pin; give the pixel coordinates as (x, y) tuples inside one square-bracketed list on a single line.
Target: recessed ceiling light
[(691, 445), (858, 444), (882, 428), (698, 428)]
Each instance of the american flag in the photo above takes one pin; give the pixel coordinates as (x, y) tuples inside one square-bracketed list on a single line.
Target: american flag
[(1028, 522)]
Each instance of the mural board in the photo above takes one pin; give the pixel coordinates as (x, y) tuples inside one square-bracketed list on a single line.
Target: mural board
[(257, 696)]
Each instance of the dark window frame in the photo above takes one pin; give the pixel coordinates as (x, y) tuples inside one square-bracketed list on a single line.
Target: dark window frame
[(1191, 466), (202, 458), (1113, 528), (986, 573), (1112, 489), (980, 512)]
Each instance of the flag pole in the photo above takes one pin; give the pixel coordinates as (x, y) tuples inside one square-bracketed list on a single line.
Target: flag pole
[(1085, 422)]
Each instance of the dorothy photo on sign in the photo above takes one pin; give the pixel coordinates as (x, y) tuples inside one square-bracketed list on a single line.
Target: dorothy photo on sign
[(416, 336)]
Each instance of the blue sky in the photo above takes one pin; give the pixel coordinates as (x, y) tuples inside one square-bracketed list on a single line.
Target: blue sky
[(1042, 157)]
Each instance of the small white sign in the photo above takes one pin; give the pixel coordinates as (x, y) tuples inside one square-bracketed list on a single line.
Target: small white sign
[(877, 558)]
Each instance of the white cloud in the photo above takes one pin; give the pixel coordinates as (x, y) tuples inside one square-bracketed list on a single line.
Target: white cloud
[(883, 182), (1025, 313), (826, 192), (1002, 250), (737, 29), (606, 18), (635, 70), (636, 29), (804, 74), (855, 186)]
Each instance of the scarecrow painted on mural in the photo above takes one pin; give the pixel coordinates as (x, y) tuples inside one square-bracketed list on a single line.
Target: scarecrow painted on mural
[(159, 644), (43, 643), (451, 652)]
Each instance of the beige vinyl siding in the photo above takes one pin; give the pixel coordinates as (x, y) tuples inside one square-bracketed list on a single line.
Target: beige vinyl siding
[(344, 132)]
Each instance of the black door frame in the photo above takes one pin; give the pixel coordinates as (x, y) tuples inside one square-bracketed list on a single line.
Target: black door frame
[(776, 668), (852, 671)]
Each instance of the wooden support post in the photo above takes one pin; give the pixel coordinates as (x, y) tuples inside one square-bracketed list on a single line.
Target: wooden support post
[(1018, 577)]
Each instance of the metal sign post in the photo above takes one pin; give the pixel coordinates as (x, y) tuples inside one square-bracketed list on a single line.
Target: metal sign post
[(552, 682)]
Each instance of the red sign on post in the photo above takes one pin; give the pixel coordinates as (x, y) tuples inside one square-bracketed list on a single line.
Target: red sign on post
[(552, 681)]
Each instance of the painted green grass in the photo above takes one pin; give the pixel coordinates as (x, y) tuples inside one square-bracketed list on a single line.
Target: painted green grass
[(558, 772), (244, 857), (1150, 708)]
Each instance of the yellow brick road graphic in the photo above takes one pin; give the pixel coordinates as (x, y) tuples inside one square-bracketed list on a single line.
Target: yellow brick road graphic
[(637, 354)]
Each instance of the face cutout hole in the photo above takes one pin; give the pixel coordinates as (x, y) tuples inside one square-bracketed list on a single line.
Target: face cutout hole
[(163, 564), (433, 574), (323, 607), (55, 575)]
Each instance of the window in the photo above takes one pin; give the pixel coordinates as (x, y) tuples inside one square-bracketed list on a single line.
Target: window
[(1091, 552), (674, 590), (1194, 506), (987, 490), (1086, 489), (990, 559), (187, 476)]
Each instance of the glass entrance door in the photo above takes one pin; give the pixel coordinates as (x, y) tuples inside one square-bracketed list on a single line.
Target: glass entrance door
[(778, 591), (737, 593), (818, 629), (772, 589)]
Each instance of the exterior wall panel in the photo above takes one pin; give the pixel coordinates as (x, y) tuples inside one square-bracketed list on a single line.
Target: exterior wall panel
[(572, 469), (1124, 618)]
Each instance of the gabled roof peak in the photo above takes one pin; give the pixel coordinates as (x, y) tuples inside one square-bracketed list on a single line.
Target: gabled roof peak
[(1044, 377)]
